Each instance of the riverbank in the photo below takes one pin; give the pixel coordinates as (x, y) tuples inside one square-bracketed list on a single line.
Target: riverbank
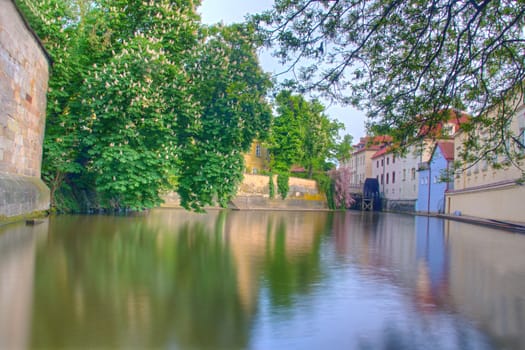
[(499, 224), (254, 194)]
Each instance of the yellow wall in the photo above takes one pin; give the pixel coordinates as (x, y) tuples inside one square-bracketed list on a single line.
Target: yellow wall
[(485, 192), (255, 163), (482, 174), (259, 185), (503, 202)]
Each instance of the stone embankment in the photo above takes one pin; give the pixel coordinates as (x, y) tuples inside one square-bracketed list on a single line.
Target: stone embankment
[(24, 73), (254, 194)]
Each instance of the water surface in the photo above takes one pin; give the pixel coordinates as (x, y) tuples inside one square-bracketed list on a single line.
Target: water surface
[(260, 280)]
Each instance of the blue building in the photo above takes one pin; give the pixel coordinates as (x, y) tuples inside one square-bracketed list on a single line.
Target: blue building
[(432, 187)]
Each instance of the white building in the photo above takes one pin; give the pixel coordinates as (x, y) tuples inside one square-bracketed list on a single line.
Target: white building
[(398, 175), (360, 163)]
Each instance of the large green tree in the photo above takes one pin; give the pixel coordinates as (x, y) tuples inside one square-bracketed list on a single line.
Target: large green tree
[(286, 138), (133, 102), (344, 148), (230, 88), (302, 134), (405, 61), (143, 98)]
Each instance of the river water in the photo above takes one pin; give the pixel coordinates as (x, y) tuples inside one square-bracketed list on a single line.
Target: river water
[(260, 280)]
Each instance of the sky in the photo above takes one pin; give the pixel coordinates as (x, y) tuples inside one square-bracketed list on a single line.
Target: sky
[(231, 11)]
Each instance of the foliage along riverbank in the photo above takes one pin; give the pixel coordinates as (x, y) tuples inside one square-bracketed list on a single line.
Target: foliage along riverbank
[(142, 97)]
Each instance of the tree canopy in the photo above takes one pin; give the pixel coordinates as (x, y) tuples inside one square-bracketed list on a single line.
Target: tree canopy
[(406, 61), (230, 88), (302, 134), (144, 98)]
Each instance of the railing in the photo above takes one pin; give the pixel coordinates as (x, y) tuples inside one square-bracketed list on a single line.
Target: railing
[(356, 188)]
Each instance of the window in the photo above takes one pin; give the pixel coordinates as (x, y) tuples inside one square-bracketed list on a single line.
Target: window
[(448, 130), (387, 160), (377, 166), (393, 177), (507, 147), (413, 173), (404, 174), (521, 138), (394, 159), (387, 178), (494, 158), (382, 162), (436, 179), (258, 150), (382, 177), (485, 165), (476, 168)]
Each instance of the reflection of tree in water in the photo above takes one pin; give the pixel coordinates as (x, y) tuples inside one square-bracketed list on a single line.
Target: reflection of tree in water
[(106, 281), (209, 311), (286, 275), (168, 279)]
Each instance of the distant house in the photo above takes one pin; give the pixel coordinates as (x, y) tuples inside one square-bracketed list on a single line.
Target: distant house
[(433, 178), (398, 175), (360, 163), (257, 159), (482, 190), (397, 178)]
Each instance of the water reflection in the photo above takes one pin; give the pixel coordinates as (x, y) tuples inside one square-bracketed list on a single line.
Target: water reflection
[(432, 262), (171, 277), (260, 280), (487, 281), (133, 282), (17, 270), (390, 278)]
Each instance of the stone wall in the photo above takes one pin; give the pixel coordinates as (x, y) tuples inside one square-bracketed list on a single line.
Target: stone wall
[(24, 73), (22, 195), (502, 202), (254, 193), (399, 205)]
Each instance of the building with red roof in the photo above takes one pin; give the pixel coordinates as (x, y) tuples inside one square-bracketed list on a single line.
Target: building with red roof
[(398, 174), (360, 162)]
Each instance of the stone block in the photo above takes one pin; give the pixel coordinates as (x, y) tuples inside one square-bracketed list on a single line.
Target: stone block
[(24, 73), (22, 195)]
